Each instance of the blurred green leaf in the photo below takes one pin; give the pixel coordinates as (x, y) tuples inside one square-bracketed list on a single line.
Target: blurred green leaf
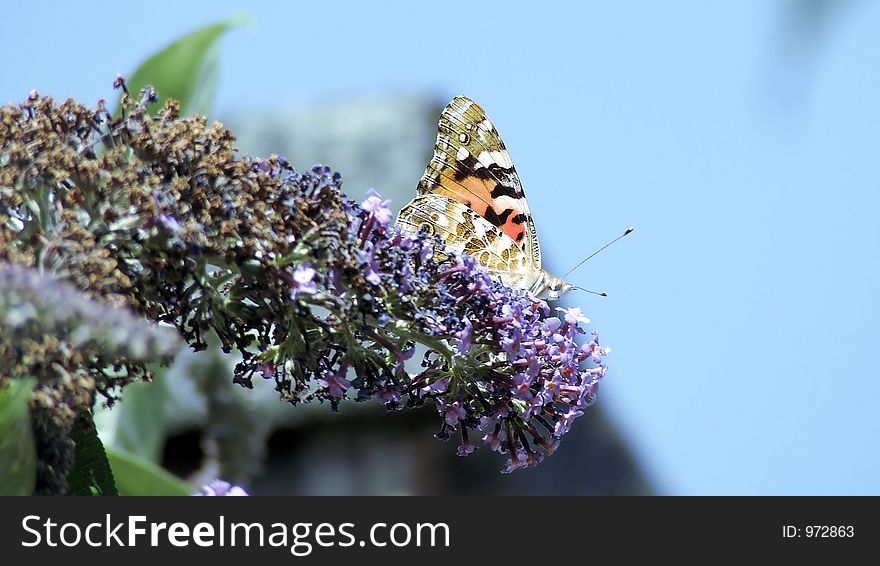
[(138, 427), (136, 476), (186, 70), (18, 460), (91, 474)]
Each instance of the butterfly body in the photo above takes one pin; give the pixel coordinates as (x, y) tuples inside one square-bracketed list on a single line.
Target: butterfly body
[(471, 196)]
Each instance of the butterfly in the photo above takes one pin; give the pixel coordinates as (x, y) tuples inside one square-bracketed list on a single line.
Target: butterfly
[(471, 196)]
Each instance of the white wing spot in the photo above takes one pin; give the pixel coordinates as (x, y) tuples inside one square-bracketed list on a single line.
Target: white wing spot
[(501, 157), (463, 137), (462, 154)]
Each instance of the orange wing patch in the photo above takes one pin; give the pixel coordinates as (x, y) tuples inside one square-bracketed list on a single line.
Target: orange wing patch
[(476, 194)]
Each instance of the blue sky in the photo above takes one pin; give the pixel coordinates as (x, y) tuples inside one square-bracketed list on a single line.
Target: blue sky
[(743, 148)]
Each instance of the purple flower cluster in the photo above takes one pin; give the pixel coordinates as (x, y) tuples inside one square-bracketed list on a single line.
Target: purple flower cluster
[(55, 332), (220, 488), (499, 366), (29, 297), (527, 394), (162, 215)]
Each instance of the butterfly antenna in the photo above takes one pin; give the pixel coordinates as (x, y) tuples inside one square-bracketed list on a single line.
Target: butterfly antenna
[(627, 233), (602, 294)]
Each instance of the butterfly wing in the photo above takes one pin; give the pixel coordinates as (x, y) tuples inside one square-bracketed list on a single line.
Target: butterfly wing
[(471, 165), (465, 231)]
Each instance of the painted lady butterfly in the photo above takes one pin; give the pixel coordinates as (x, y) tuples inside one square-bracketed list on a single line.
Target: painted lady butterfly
[(471, 196)]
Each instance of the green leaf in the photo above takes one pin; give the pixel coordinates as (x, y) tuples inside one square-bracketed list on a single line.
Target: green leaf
[(187, 70), (139, 423), (136, 476), (91, 474), (18, 459)]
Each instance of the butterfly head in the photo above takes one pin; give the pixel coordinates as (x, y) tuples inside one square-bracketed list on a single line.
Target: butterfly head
[(550, 287)]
